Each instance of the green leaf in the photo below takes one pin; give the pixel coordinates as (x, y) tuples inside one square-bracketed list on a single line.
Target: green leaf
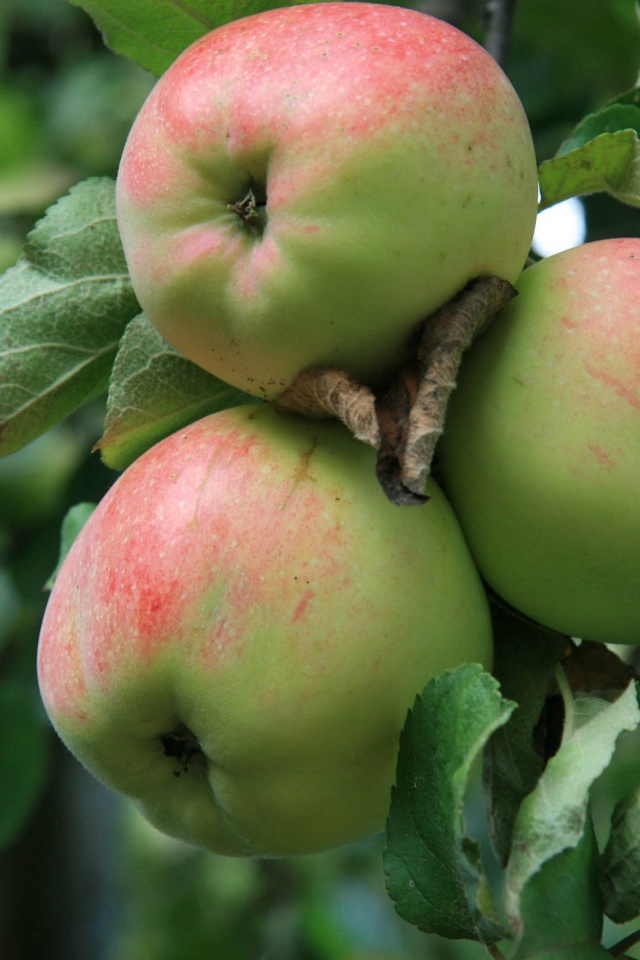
[(433, 869), (612, 119), (575, 951), (154, 391), (552, 818), (601, 154), (23, 756), (73, 522), (525, 658), (632, 95), (620, 864), (560, 907), (63, 309), (154, 32)]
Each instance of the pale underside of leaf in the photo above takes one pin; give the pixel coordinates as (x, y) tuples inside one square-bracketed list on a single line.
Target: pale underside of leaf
[(552, 817), (609, 163)]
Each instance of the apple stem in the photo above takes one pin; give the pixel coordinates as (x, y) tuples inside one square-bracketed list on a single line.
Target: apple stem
[(411, 414), (405, 423), (326, 392), (494, 951)]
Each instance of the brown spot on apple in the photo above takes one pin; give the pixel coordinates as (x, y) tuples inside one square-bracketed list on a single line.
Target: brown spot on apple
[(601, 455)]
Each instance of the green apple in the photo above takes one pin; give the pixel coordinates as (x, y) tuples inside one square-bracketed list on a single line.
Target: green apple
[(304, 186), (238, 632), (541, 451)]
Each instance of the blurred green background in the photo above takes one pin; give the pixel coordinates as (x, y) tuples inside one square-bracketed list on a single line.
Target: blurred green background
[(81, 875)]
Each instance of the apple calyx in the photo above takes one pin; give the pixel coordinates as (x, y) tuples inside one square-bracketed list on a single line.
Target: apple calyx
[(181, 745), (405, 422), (251, 209)]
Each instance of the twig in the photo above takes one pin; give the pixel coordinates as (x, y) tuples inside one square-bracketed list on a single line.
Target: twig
[(619, 949), (405, 423), (327, 392), (498, 19), (494, 951), (411, 414)]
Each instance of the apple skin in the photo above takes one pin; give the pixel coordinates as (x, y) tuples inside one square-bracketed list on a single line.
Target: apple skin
[(541, 452), (397, 164), (247, 580)]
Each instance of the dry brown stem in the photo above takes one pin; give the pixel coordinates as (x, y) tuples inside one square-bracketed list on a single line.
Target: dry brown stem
[(325, 392), (405, 423), (412, 413)]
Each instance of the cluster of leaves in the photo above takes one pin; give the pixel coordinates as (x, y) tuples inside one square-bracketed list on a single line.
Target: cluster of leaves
[(540, 756), (71, 330)]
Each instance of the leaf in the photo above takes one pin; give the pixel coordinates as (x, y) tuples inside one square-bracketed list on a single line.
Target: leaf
[(154, 32), (612, 119), (525, 658), (553, 816), (620, 864), (561, 909), (576, 951), (23, 756), (601, 154), (433, 870), (73, 522), (63, 309), (632, 95), (154, 391)]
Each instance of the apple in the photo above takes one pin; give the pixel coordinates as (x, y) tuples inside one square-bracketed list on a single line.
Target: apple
[(239, 629), (303, 187), (541, 449)]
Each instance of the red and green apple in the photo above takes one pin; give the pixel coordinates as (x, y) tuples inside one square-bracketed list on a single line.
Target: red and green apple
[(541, 450), (238, 631), (303, 187)]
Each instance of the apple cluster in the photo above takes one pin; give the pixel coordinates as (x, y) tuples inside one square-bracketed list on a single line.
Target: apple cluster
[(237, 633)]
